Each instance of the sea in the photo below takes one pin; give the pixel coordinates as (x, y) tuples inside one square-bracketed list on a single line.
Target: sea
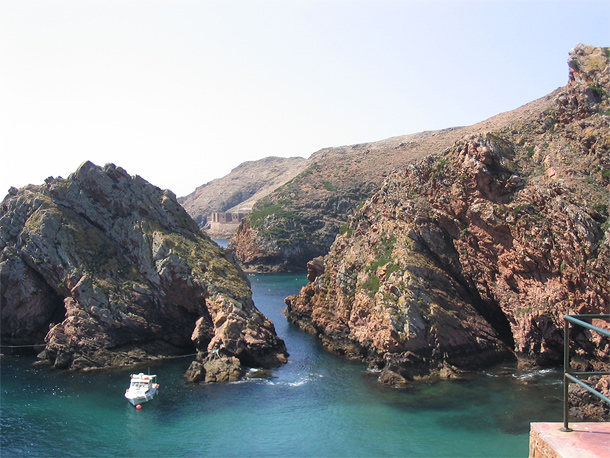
[(317, 405)]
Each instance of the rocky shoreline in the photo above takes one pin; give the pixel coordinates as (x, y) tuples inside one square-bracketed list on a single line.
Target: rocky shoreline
[(473, 255)]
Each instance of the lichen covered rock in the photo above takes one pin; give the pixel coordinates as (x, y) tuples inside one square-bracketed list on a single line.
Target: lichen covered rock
[(105, 269)]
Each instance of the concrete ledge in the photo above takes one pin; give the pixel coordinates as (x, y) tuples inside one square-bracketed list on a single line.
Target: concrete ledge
[(587, 440)]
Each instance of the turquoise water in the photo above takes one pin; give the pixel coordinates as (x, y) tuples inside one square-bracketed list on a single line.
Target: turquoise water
[(316, 405)]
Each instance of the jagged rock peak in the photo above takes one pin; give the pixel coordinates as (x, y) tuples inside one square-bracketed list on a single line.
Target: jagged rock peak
[(589, 65), (589, 79), (104, 269)]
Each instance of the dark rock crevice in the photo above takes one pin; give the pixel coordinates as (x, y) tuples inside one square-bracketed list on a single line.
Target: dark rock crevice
[(437, 245)]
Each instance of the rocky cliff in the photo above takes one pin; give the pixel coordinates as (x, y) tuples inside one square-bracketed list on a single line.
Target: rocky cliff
[(104, 269), (300, 219), (473, 255), (241, 188)]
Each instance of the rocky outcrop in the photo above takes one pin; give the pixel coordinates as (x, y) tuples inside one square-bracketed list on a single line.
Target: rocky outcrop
[(585, 405), (300, 219), (473, 256), (240, 189), (104, 269), (215, 368)]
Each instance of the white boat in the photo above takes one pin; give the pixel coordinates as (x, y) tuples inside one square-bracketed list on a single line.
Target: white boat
[(142, 388)]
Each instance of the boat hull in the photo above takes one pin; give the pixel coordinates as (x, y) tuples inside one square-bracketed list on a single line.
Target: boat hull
[(142, 389), (139, 399)]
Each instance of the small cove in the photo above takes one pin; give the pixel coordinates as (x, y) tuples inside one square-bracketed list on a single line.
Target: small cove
[(316, 405)]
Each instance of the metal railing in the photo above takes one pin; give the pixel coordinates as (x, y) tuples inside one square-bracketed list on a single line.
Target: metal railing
[(571, 376)]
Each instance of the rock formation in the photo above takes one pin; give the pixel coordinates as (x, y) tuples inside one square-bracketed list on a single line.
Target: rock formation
[(104, 269), (300, 219), (240, 189), (472, 256)]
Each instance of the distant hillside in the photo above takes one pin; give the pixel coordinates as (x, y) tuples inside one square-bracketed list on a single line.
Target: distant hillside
[(301, 219), (247, 183)]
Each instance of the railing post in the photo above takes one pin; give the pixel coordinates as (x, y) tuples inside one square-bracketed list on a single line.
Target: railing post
[(566, 370), (569, 376)]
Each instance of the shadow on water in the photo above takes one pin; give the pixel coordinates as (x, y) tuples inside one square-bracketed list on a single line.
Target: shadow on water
[(504, 398)]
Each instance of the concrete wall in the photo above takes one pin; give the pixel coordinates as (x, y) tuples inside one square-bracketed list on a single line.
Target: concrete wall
[(224, 223), (539, 448), (587, 440), (227, 217)]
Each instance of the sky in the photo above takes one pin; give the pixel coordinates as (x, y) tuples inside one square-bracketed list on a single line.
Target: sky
[(181, 92)]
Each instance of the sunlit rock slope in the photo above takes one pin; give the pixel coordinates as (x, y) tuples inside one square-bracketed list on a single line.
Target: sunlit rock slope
[(473, 255)]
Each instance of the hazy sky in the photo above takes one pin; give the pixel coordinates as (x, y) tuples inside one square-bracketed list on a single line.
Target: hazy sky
[(180, 92)]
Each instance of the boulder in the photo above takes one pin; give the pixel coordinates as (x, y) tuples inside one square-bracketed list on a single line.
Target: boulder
[(221, 368), (315, 268), (195, 372)]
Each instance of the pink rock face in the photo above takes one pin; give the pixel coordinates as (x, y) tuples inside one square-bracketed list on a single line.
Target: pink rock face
[(107, 270), (474, 255)]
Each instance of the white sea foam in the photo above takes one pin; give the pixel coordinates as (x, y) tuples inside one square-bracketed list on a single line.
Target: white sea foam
[(534, 374), (293, 383)]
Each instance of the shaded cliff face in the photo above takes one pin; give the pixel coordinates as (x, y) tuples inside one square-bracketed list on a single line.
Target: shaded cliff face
[(472, 256), (104, 269), (300, 219), (241, 188)]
